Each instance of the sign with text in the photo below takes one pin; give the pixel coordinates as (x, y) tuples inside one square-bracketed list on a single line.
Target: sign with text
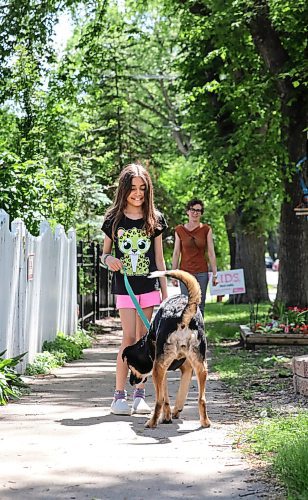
[(229, 282)]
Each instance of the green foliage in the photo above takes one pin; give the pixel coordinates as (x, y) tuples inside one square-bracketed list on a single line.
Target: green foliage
[(222, 320), (82, 339), (64, 348), (178, 182), (86, 284), (63, 343), (72, 345), (179, 86), (291, 465), (33, 186), (11, 384), (280, 319), (239, 370), (284, 442), (45, 361)]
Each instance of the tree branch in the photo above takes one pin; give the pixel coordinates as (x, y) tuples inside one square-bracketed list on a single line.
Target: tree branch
[(270, 48)]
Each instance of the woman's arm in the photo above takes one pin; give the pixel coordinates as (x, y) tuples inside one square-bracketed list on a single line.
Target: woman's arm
[(212, 256), (176, 256), (111, 262), (160, 264)]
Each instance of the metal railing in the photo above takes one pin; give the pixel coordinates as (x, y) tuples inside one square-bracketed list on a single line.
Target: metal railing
[(94, 296)]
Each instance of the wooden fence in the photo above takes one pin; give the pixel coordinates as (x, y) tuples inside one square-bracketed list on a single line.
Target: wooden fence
[(38, 287)]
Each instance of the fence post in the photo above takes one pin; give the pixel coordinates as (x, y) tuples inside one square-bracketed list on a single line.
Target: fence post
[(80, 266), (93, 276), (97, 271)]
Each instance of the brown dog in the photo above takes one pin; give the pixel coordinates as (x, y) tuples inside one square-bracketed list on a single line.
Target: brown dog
[(176, 339)]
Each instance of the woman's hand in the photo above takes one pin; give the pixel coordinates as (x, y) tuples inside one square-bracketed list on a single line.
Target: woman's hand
[(113, 263), (214, 280)]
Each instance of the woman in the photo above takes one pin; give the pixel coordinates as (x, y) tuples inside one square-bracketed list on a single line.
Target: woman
[(192, 240), (133, 227)]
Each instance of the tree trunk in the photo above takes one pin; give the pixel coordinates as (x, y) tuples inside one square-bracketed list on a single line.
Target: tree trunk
[(248, 254), (250, 257), (293, 244), (230, 228)]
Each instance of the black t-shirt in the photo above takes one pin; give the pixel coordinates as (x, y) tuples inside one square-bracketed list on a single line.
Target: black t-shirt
[(136, 251)]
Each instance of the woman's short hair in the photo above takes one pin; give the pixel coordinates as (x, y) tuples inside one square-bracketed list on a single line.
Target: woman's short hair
[(193, 202)]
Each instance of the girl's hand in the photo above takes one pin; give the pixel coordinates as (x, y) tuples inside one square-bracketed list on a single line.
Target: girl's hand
[(113, 263), (174, 282)]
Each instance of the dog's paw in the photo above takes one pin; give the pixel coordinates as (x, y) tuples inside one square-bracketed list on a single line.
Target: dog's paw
[(176, 414), (206, 423), (166, 421), (150, 424)]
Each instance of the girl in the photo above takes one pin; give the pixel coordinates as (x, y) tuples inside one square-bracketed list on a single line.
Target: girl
[(134, 227)]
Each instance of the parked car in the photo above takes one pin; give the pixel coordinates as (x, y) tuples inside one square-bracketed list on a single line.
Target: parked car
[(275, 265), (268, 262)]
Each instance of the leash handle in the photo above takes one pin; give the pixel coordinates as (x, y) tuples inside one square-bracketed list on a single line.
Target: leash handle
[(135, 301)]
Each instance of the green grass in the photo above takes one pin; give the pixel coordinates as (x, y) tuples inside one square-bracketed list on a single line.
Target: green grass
[(222, 320), (260, 375), (283, 442), (248, 373)]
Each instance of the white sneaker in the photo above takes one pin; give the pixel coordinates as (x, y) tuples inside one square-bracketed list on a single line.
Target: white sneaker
[(140, 406), (120, 407)]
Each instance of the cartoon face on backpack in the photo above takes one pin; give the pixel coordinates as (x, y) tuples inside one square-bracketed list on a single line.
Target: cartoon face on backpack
[(134, 244)]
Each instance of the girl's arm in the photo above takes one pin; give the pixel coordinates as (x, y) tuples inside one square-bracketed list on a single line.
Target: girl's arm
[(111, 262), (176, 256), (160, 264), (212, 256)]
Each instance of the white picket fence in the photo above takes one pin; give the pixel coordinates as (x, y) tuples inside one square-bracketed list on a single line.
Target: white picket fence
[(38, 287)]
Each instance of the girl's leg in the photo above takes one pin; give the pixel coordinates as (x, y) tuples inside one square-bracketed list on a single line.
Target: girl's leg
[(119, 404), (140, 326), (139, 404), (128, 321)]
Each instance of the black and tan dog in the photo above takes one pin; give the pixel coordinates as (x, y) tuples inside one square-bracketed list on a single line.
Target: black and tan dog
[(176, 339)]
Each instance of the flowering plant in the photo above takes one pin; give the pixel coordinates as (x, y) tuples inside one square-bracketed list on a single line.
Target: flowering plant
[(283, 320)]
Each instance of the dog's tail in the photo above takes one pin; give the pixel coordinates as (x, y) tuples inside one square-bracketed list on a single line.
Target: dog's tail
[(194, 292)]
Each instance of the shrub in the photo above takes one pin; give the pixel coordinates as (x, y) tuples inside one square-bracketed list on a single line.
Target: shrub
[(44, 362), (11, 384), (57, 352), (71, 345)]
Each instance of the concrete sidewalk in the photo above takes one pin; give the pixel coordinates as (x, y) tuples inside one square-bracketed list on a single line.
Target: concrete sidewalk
[(61, 442)]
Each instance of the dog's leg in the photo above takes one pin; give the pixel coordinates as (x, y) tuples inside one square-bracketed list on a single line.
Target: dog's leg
[(166, 407), (186, 374), (201, 374), (158, 376)]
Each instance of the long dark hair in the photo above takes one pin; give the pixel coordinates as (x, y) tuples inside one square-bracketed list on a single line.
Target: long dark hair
[(116, 211)]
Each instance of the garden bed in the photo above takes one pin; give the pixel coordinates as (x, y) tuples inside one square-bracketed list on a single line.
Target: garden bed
[(250, 339)]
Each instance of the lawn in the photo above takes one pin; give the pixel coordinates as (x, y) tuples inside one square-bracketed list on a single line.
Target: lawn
[(262, 379), (222, 320)]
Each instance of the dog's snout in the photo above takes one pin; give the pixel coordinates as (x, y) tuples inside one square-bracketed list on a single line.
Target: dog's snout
[(133, 380)]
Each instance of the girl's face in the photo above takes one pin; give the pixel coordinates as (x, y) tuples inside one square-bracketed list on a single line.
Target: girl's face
[(136, 196)]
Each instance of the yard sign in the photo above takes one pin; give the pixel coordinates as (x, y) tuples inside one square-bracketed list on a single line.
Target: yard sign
[(229, 282)]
